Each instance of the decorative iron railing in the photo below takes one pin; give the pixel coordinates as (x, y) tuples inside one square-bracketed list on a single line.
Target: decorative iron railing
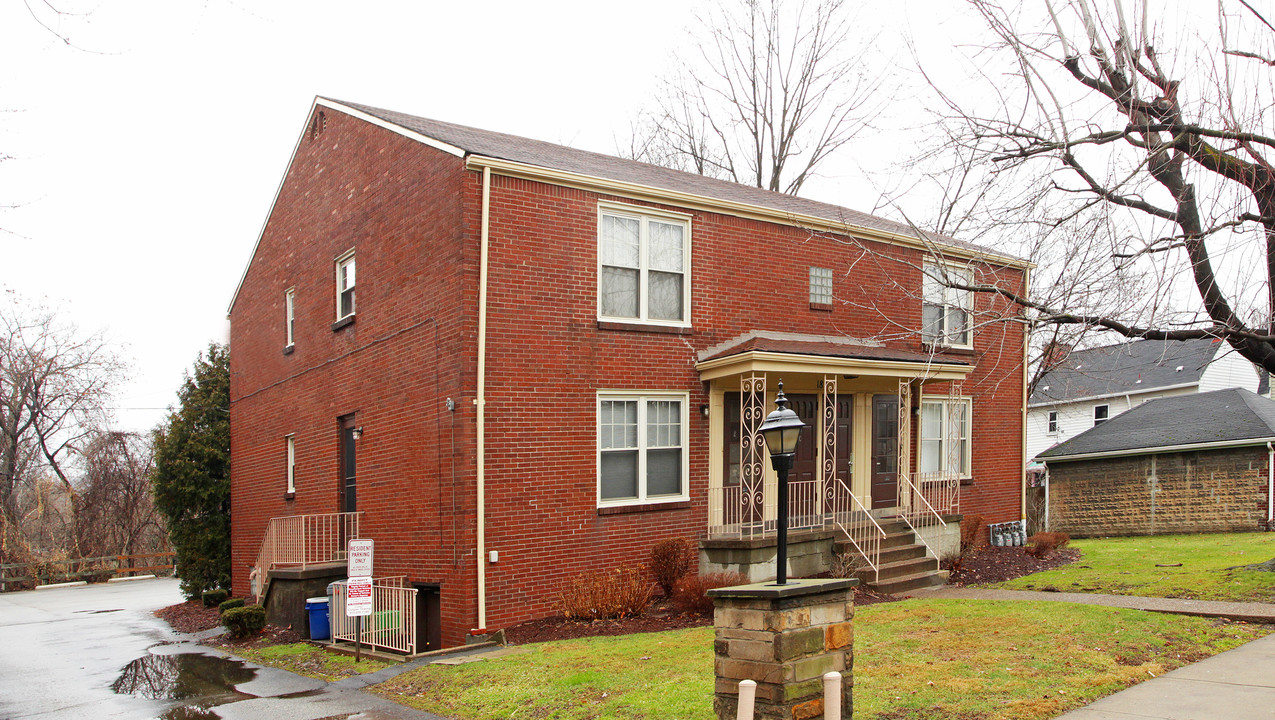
[(392, 624), (857, 523), (917, 511), (302, 540)]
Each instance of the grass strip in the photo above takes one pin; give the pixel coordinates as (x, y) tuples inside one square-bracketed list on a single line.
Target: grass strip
[(915, 659), (1171, 566), (308, 660)]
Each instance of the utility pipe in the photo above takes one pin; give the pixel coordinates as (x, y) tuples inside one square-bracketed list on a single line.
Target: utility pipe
[(480, 401)]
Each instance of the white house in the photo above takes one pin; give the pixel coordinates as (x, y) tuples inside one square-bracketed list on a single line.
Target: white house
[(1092, 385)]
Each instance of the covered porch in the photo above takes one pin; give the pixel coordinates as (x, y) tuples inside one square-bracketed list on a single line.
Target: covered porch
[(886, 443)]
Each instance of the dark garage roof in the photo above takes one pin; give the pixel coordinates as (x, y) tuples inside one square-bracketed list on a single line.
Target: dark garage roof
[(1126, 368), (1229, 416)]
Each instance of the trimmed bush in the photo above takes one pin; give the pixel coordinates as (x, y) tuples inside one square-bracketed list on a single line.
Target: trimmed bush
[(213, 598), (670, 561), (244, 621), (230, 604), (597, 596), (1043, 544), (691, 592)]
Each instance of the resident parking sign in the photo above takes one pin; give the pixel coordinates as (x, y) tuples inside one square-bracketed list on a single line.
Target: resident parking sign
[(359, 558)]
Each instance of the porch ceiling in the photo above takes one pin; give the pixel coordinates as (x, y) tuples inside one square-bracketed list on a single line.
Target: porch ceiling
[(792, 353)]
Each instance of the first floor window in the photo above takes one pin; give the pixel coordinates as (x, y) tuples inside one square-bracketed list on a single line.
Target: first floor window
[(1053, 421), (345, 286), (292, 464), (1100, 414), (945, 311), (945, 436), (641, 447)]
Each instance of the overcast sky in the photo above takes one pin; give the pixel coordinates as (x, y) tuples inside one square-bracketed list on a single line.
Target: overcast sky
[(145, 155)]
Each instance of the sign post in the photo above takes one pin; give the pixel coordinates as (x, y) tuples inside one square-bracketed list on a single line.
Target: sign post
[(358, 589)]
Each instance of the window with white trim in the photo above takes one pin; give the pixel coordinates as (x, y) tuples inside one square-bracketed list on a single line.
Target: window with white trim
[(945, 311), (292, 464), (821, 286), (643, 266), (345, 286), (1101, 413), (289, 314), (1053, 421), (945, 436), (642, 447)]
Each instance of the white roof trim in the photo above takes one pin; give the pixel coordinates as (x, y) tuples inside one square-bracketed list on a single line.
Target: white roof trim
[(399, 129), (1159, 450), (1129, 393)]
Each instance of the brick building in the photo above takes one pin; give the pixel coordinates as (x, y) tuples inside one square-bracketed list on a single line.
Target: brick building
[(1180, 464), (548, 360)]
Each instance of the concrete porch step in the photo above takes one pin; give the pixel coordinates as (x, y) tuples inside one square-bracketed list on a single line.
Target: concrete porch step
[(910, 582)]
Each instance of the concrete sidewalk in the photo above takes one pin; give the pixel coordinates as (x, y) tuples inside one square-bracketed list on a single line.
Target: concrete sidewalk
[(1236, 685), (1246, 611)]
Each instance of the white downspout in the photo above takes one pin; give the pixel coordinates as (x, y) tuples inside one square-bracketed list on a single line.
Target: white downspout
[(1046, 481), (1022, 480), (481, 402), (1270, 486)]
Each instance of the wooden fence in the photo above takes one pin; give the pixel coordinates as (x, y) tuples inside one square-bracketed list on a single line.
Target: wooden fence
[(19, 576)]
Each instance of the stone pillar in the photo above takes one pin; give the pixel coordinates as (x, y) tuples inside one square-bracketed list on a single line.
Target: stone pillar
[(783, 637)]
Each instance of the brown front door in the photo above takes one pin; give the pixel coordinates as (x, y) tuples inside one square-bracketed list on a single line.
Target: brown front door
[(885, 450)]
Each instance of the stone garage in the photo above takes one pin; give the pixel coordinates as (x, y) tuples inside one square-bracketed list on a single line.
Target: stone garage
[(1187, 464)]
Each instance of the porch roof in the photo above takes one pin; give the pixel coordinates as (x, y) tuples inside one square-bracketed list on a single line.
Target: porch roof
[(760, 351)]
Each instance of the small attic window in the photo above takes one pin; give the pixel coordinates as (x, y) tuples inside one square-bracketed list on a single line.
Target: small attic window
[(317, 124)]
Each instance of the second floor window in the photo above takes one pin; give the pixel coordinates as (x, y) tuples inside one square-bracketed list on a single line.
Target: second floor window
[(1053, 421), (289, 315), (642, 274), (820, 286), (945, 311), (1100, 414), (345, 286)]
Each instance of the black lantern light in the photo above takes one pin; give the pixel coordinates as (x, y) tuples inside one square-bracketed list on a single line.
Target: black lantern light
[(782, 431)]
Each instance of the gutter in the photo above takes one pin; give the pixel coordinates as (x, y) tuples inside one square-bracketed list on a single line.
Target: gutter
[(1109, 396), (480, 401)]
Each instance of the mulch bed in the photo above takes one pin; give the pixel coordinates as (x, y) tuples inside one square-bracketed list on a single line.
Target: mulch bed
[(987, 564), (984, 564)]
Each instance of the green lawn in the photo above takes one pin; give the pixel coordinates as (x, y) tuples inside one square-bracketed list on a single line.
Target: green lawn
[(914, 659), (1149, 566), (306, 659)]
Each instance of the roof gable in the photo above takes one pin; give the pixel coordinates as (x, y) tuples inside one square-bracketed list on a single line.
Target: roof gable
[(1133, 367), (1229, 416)]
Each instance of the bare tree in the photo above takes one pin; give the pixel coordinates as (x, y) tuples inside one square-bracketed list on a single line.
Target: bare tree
[(772, 89), (54, 384), (117, 513), (1154, 152)]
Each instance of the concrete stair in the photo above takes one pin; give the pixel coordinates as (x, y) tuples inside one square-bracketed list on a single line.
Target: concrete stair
[(904, 564)]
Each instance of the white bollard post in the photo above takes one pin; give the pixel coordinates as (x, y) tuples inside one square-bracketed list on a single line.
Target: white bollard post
[(747, 696), (832, 696)]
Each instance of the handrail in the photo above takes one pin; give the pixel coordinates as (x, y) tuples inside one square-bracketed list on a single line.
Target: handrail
[(910, 513), (302, 540), (870, 549)]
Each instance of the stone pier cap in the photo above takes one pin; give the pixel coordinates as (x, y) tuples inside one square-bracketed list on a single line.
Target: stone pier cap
[(793, 588)]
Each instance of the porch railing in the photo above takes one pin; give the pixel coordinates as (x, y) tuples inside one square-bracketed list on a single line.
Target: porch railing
[(916, 510), (302, 540), (857, 523), (392, 624)]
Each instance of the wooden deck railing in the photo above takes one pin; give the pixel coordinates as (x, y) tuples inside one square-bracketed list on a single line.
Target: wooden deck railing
[(15, 576)]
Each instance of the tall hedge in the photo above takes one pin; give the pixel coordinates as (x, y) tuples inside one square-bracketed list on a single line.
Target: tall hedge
[(192, 474)]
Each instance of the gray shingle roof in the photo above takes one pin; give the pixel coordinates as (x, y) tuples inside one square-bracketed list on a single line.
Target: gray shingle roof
[(1126, 368), (558, 157), (1230, 415)]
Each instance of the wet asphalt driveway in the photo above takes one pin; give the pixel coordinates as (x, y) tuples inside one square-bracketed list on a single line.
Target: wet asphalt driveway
[(96, 651)]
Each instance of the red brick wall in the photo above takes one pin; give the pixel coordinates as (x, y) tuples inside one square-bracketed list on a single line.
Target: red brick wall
[(1191, 492), (410, 347), (412, 213)]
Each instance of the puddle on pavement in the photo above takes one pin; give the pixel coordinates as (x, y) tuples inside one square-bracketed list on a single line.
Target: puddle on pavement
[(198, 682)]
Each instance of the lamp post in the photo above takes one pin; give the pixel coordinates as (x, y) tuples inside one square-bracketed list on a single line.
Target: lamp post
[(781, 431)]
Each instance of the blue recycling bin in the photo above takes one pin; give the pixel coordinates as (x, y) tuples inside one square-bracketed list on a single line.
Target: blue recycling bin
[(317, 609)]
